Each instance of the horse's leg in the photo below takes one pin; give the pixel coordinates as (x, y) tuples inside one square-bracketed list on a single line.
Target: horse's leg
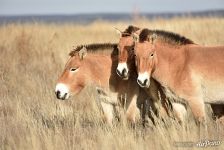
[(107, 112), (132, 109), (198, 109), (105, 105), (144, 104), (157, 96), (180, 112)]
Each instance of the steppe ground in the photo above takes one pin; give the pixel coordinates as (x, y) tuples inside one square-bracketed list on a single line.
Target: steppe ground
[(32, 56)]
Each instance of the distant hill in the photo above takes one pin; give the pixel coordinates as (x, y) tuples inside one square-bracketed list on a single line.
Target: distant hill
[(88, 18)]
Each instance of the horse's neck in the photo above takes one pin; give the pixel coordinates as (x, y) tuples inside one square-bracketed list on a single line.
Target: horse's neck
[(132, 67), (100, 68), (170, 59)]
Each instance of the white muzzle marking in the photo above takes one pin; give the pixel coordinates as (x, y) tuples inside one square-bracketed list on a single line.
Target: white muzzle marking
[(121, 67), (62, 91), (143, 79)]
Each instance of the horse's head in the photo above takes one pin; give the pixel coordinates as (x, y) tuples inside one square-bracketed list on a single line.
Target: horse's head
[(146, 57), (73, 78), (126, 52)]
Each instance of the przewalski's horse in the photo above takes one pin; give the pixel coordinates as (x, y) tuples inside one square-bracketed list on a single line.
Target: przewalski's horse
[(126, 67), (98, 67), (186, 70)]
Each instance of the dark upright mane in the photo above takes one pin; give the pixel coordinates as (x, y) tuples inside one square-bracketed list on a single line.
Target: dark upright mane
[(165, 36), (131, 29), (96, 47)]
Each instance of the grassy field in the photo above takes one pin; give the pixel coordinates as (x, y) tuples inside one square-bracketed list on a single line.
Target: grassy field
[(32, 57)]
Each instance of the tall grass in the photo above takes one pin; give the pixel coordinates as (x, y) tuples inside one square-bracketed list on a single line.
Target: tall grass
[(31, 58)]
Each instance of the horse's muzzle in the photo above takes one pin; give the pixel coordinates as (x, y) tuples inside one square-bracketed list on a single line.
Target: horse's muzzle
[(143, 84), (123, 74), (61, 96), (62, 91)]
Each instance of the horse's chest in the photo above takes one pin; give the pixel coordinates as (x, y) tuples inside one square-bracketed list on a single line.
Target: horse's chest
[(172, 95)]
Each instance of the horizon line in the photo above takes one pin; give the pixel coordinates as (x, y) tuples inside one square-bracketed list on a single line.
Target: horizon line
[(112, 13)]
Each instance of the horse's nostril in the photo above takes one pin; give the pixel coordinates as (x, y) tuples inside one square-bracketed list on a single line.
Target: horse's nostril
[(63, 98), (118, 72), (58, 94), (124, 71), (139, 81), (145, 82)]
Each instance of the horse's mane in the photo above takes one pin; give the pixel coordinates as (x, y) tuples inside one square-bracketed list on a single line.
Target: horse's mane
[(97, 48), (130, 29), (166, 36)]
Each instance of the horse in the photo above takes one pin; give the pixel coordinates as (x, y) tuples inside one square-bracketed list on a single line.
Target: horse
[(186, 70), (95, 64), (126, 66)]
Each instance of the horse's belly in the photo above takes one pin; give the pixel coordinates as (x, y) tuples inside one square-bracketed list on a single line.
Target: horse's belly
[(213, 92)]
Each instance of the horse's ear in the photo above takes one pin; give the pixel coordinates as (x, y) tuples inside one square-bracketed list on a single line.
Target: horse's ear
[(152, 38), (82, 53), (135, 37), (119, 32)]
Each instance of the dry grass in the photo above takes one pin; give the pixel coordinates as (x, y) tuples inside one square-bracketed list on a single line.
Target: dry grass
[(31, 58)]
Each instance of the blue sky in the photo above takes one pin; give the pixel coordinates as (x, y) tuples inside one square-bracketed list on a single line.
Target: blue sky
[(28, 7)]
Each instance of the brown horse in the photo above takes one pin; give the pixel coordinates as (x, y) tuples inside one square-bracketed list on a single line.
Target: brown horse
[(126, 52), (98, 67), (126, 67), (186, 70)]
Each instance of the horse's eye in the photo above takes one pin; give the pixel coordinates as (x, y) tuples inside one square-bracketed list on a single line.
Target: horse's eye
[(73, 69), (132, 49), (152, 55)]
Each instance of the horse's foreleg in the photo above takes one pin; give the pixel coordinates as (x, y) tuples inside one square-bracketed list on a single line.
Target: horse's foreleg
[(105, 105), (180, 112), (107, 112), (132, 111), (198, 109)]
